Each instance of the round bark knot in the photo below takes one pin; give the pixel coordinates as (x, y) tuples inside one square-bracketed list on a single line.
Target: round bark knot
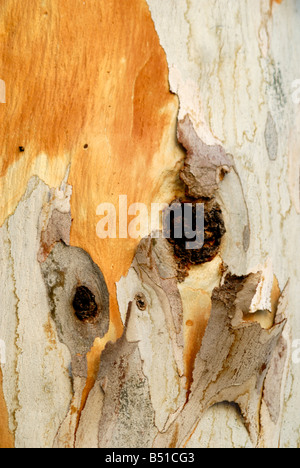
[(214, 230), (84, 304), (141, 301)]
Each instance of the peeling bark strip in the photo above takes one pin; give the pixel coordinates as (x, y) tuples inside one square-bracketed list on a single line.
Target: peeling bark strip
[(235, 357), (128, 418), (205, 166), (231, 366), (157, 327)]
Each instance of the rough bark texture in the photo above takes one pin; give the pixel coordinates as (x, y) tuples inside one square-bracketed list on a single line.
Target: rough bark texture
[(139, 342)]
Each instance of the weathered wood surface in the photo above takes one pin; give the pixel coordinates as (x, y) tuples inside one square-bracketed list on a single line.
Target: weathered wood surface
[(89, 116)]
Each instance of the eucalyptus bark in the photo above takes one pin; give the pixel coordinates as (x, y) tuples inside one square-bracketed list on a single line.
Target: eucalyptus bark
[(141, 342)]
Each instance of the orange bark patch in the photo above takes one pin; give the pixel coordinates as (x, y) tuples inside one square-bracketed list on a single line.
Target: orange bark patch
[(131, 134), (6, 438)]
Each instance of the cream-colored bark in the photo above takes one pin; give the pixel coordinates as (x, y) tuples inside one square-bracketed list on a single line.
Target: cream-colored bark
[(233, 65), (226, 330)]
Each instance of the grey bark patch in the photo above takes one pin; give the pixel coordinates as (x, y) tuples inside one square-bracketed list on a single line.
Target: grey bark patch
[(58, 229), (273, 383), (205, 165), (271, 138), (66, 271), (246, 238), (127, 417), (277, 86)]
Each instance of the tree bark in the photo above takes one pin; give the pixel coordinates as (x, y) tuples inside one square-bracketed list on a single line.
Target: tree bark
[(136, 341)]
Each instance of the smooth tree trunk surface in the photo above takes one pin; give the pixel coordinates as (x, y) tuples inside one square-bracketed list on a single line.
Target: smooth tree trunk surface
[(111, 335)]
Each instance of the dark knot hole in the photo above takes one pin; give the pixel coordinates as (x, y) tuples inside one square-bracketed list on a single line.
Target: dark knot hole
[(84, 304)]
